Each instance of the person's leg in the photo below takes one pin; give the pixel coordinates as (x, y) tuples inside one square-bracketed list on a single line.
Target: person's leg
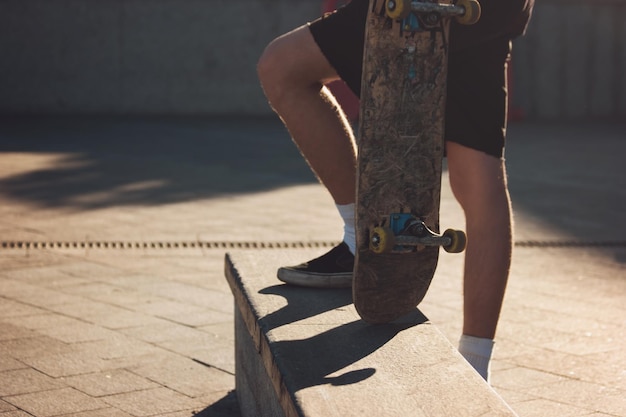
[(478, 181), (293, 72), (475, 129)]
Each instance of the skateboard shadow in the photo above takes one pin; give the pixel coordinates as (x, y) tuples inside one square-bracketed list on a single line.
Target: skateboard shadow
[(303, 303), (313, 360), (320, 359)]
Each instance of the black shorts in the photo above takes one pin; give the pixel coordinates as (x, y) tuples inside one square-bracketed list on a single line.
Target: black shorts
[(478, 55)]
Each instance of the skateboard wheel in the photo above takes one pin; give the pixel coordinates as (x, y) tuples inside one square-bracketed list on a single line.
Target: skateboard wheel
[(472, 12), (397, 9), (382, 240), (458, 241)]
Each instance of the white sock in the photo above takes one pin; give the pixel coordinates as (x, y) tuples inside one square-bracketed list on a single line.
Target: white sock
[(346, 211), (477, 351)]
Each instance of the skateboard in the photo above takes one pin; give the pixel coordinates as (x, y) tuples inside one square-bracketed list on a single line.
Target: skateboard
[(401, 146)]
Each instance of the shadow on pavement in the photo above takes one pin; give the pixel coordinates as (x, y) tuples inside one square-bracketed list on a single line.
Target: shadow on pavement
[(225, 407), (101, 162), (569, 176)]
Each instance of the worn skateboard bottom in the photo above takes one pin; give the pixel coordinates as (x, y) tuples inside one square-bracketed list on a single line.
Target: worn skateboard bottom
[(388, 286)]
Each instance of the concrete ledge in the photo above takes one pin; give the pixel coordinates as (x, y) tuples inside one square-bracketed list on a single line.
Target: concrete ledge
[(305, 352)]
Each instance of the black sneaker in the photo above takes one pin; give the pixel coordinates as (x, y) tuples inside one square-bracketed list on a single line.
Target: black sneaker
[(331, 270)]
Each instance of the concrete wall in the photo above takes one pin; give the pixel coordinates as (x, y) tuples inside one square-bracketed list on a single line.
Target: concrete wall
[(572, 62), (199, 56), (139, 56)]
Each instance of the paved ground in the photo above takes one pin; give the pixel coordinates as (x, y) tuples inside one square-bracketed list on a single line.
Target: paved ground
[(113, 233)]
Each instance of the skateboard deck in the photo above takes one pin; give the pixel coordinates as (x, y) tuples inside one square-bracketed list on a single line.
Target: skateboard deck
[(401, 146)]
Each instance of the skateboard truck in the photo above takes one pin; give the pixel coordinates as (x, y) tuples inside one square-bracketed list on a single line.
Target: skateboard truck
[(406, 233), (466, 12)]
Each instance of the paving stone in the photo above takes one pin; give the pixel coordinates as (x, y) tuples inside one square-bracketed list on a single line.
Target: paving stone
[(161, 332), (185, 265), (46, 320), (7, 363), (35, 295), (25, 260), (222, 330), (556, 340), (105, 315), (130, 362), (523, 379), (170, 309), (78, 332), (16, 413), (599, 415), (199, 279), (151, 402), (513, 397), (186, 376), (104, 412), (9, 331), (93, 288), (563, 322), (585, 344), (547, 408), (583, 394), (24, 381), (29, 347), (216, 404), (10, 308), (91, 270), (607, 369), (115, 295), (202, 318), (218, 355), (188, 341), (139, 280), (109, 383), (55, 402), (119, 346), (137, 265), (36, 275), (53, 281), (186, 413), (4, 407), (66, 364), (191, 294)]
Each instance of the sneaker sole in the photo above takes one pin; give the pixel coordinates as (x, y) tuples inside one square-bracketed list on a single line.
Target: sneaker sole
[(313, 280)]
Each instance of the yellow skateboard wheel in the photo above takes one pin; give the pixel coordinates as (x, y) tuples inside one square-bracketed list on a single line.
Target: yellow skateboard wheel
[(382, 240), (472, 12), (397, 9), (458, 241)]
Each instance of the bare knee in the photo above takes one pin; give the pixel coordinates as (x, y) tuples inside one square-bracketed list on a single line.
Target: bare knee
[(293, 62), (271, 69), (478, 180)]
